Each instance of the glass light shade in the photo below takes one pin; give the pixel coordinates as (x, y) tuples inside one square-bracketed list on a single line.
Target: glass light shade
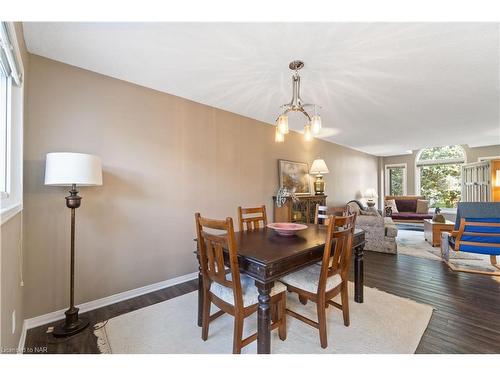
[(278, 136), (283, 124), (308, 133), (316, 124), (68, 168), (319, 167)]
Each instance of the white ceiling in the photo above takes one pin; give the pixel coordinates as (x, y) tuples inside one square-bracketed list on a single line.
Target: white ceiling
[(384, 88)]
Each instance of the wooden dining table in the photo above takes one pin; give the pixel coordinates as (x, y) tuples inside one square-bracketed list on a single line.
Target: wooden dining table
[(266, 256)]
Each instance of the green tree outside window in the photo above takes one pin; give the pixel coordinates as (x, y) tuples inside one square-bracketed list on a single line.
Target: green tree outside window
[(441, 182)]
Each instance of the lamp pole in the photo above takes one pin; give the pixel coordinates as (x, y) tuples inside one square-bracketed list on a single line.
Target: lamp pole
[(72, 323)]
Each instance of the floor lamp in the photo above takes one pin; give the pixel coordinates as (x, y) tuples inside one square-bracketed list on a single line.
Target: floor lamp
[(72, 169)]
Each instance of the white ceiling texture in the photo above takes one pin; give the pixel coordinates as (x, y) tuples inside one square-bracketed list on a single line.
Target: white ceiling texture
[(384, 88)]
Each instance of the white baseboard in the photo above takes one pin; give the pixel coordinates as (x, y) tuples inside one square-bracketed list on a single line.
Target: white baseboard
[(22, 339), (92, 305)]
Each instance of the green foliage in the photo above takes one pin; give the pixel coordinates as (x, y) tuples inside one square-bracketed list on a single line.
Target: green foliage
[(439, 153), (396, 181), (441, 183)]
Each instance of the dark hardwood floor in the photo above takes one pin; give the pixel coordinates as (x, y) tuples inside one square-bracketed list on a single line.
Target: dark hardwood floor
[(466, 317)]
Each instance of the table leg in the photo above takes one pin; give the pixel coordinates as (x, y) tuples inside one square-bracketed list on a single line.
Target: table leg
[(200, 297), (358, 273), (264, 318)]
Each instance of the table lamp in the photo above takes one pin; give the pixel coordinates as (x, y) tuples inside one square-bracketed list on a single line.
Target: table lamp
[(72, 169), (370, 195), (319, 168)]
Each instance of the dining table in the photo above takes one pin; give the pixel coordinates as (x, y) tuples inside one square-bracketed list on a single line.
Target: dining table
[(266, 256)]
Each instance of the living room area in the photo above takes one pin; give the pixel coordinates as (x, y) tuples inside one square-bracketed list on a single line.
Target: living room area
[(422, 190)]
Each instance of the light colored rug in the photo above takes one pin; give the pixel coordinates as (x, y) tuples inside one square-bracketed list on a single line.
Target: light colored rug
[(413, 243), (384, 323)]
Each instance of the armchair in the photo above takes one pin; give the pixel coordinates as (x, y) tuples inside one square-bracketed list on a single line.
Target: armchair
[(477, 230), (380, 231)]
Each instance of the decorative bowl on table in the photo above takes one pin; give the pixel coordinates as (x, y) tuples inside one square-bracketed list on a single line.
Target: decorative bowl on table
[(286, 229)]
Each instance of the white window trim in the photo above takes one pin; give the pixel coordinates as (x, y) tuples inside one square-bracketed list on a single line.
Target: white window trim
[(8, 139), (405, 180), (486, 158), (424, 163), (12, 201)]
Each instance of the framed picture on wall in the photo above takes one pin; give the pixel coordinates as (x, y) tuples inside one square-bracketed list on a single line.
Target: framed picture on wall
[(294, 176)]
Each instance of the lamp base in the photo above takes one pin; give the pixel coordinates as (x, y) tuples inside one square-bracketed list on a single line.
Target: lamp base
[(72, 325), (319, 185), (370, 203)]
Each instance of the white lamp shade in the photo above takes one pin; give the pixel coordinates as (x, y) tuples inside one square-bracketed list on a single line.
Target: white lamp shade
[(371, 193), (497, 182), (67, 168), (319, 167)]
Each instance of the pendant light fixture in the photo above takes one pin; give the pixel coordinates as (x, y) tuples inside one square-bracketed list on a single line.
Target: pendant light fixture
[(313, 125)]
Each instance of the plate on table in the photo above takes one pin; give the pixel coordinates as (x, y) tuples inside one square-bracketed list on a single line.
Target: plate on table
[(286, 229)]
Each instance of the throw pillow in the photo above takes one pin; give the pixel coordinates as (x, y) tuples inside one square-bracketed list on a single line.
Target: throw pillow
[(392, 204), (422, 206), (388, 211)]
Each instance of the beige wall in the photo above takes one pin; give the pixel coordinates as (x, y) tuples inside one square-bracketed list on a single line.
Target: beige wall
[(11, 292), (473, 153), (164, 158)]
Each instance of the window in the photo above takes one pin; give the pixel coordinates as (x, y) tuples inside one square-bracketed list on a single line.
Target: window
[(11, 122), (438, 175), (395, 179)]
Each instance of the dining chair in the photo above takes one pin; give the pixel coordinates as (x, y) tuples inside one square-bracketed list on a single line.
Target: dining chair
[(258, 214), (233, 293), (320, 283), (322, 212)]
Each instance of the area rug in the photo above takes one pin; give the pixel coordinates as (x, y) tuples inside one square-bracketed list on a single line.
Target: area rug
[(413, 243), (384, 323), (410, 226)]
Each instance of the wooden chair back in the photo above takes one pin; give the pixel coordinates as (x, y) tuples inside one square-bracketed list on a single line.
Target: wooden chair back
[(211, 254), (253, 222), (323, 212), (340, 229)]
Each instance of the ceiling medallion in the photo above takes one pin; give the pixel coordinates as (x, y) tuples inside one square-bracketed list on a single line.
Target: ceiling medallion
[(313, 125)]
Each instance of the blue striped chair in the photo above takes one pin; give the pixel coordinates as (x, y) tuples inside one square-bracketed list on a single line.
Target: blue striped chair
[(477, 230)]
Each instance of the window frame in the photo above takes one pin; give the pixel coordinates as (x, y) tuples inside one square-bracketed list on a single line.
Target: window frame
[(11, 200), (6, 188), (424, 163), (387, 186)]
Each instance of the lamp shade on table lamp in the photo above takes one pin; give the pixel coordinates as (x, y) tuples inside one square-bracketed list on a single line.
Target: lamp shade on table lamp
[(72, 169), (371, 193), (67, 169), (319, 168)]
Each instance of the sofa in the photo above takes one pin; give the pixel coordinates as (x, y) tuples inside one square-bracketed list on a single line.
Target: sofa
[(407, 209), (381, 232)]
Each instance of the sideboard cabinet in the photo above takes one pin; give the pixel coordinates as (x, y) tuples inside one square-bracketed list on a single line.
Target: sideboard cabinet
[(301, 211)]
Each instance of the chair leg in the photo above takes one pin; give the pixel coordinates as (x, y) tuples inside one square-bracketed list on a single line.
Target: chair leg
[(303, 300), (344, 296), (274, 312), (320, 306), (206, 316), (282, 318), (493, 260), (238, 333)]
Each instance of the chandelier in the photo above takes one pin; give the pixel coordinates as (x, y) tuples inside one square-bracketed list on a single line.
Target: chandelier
[(313, 125)]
